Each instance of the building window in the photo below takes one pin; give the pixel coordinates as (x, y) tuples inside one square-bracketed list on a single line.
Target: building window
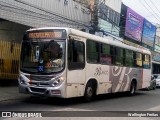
[(65, 2)]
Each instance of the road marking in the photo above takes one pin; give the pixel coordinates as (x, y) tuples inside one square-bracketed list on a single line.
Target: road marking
[(157, 108)]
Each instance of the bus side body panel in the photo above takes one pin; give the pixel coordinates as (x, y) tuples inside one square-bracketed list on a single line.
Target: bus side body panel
[(113, 79), (101, 74), (121, 78), (75, 83), (146, 78)]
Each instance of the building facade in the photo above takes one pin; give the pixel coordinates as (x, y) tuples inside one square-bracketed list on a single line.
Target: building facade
[(138, 31), (40, 13), (16, 16), (109, 16)]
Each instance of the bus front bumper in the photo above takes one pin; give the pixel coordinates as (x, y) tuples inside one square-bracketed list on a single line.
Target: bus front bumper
[(42, 91)]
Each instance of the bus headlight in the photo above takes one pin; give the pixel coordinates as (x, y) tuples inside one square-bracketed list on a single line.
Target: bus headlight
[(22, 81), (58, 81)]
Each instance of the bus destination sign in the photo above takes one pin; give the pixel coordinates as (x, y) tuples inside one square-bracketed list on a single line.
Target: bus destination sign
[(46, 35)]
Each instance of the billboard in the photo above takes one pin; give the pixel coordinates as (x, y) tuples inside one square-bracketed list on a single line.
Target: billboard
[(148, 35), (134, 25)]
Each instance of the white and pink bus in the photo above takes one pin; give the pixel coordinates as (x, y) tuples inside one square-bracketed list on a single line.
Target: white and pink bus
[(64, 62)]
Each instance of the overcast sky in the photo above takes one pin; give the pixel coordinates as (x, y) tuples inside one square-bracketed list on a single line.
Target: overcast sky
[(149, 9)]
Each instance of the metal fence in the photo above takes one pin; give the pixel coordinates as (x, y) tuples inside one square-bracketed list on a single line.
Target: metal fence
[(9, 59)]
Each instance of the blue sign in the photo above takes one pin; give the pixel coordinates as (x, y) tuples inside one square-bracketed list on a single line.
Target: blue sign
[(149, 31), (40, 68)]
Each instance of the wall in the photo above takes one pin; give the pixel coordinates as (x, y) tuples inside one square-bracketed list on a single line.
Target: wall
[(45, 13), (114, 4), (12, 31), (9, 50)]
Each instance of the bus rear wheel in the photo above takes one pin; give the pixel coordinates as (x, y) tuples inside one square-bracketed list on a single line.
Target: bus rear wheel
[(132, 88), (89, 92)]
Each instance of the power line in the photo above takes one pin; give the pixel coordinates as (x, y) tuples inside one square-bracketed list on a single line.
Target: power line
[(154, 6), (49, 12), (31, 13), (148, 9)]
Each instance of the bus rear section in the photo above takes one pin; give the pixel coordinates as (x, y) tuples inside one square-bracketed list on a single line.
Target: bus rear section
[(116, 67)]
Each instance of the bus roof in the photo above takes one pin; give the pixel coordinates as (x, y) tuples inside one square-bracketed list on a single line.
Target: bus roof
[(96, 38)]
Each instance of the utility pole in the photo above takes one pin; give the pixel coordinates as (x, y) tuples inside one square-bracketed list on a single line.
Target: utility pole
[(94, 15)]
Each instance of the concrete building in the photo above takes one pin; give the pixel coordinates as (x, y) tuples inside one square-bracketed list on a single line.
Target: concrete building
[(40, 13), (156, 52), (148, 34), (16, 16)]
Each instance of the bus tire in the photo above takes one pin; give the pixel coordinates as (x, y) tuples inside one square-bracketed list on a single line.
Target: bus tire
[(89, 92), (154, 87), (132, 88)]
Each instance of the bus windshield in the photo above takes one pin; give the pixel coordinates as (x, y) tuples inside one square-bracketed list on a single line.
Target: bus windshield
[(43, 56)]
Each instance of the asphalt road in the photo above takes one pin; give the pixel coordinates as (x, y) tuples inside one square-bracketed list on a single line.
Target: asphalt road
[(103, 105), (143, 100)]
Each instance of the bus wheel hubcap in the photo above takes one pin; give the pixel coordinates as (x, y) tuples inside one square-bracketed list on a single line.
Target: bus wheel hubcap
[(89, 92), (132, 90)]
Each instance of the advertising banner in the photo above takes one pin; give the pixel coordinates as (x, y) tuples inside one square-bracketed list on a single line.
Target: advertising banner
[(148, 35), (134, 25)]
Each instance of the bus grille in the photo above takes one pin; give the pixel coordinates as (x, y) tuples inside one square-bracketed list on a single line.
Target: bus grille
[(41, 78), (39, 90), (39, 84)]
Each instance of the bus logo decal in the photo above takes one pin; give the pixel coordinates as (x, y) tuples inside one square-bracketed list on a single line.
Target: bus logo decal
[(99, 72), (116, 71)]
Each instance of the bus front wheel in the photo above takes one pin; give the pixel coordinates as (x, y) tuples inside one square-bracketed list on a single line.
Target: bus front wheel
[(89, 92)]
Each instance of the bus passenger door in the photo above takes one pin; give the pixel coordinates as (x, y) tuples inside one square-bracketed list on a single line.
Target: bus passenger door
[(76, 68)]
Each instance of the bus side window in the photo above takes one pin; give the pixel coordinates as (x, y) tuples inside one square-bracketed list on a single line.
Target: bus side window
[(112, 53), (105, 56), (138, 59), (129, 58), (76, 59), (119, 56), (146, 61), (92, 51)]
